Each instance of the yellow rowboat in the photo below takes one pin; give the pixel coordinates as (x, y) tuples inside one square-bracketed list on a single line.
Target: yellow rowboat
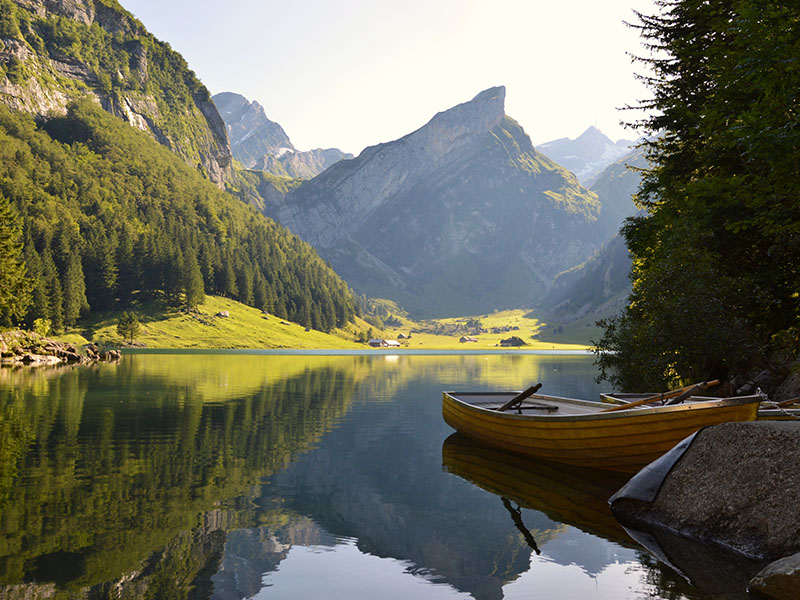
[(582, 432)]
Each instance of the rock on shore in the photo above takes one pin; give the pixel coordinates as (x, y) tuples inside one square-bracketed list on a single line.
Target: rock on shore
[(20, 347), (737, 486)]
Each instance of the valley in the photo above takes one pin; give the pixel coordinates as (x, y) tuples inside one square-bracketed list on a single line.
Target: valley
[(246, 249), (462, 218), (221, 323)]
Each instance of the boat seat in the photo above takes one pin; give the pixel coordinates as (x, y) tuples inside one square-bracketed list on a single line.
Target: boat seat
[(545, 407)]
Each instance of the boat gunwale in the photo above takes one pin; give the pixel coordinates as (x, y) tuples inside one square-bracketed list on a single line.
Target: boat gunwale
[(705, 403)]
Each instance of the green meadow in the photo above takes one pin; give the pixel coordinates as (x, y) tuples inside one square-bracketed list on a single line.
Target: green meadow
[(246, 327)]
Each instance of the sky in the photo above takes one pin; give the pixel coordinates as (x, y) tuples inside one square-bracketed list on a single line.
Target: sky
[(353, 73)]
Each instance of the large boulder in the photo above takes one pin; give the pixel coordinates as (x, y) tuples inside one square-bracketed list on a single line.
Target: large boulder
[(736, 485)]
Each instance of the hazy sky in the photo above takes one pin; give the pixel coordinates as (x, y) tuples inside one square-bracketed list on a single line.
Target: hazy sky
[(354, 73)]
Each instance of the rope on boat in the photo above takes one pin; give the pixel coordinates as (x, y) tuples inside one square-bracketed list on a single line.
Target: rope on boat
[(765, 401)]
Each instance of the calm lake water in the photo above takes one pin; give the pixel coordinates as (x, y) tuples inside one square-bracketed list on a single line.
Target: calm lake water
[(237, 475)]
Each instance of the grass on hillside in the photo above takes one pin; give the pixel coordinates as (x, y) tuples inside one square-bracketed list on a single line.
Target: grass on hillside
[(249, 328), (509, 322), (203, 328)]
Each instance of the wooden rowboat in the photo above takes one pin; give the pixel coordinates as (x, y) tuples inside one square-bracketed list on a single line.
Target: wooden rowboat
[(771, 412), (767, 411), (582, 432)]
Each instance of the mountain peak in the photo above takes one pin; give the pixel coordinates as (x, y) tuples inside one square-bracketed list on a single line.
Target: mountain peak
[(458, 125), (594, 135), (454, 208), (252, 134), (588, 154), (493, 94)]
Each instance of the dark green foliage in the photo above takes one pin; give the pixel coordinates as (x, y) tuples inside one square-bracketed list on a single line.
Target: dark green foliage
[(74, 288), (14, 286), (514, 340), (53, 290), (109, 213), (128, 326), (716, 271), (192, 282)]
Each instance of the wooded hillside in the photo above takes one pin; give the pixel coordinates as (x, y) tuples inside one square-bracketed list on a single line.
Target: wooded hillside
[(109, 215)]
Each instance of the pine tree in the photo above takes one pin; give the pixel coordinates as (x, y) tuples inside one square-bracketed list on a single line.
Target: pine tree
[(244, 283), (717, 250), (174, 277), (228, 280), (128, 275), (192, 281), (74, 289), (261, 294), (40, 305), (15, 288), (55, 295), (128, 326), (101, 272)]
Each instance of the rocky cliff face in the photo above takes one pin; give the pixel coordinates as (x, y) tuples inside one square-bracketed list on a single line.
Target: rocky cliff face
[(54, 51), (261, 144), (459, 217), (251, 133)]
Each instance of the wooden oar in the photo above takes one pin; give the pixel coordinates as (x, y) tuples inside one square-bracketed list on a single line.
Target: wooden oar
[(789, 402), (520, 397), (691, 392), (680, 394), (662, 396)]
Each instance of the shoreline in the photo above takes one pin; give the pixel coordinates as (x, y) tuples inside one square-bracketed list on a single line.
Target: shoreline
[(19, 347), (357, 352)]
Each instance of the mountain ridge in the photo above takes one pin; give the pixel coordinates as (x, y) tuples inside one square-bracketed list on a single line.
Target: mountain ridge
[(262, 144), (108, 161), (588, 154), (600, 286), (56, 51), (460, 216)]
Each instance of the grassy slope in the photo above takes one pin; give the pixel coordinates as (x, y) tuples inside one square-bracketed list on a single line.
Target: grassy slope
[(248, 328), (529, 331)]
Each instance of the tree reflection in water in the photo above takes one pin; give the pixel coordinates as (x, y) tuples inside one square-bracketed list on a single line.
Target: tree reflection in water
[(205, 476)]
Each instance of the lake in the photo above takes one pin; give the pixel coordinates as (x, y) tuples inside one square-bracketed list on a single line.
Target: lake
[(267, 475)]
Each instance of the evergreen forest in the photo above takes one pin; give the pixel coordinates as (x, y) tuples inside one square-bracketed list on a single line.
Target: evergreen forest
[(100, 215), (716, 250)]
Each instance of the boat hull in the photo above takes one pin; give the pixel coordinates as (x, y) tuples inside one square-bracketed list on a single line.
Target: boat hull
[(624, 440)]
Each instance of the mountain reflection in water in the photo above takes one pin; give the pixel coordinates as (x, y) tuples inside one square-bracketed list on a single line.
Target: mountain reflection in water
[(236, 475)]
